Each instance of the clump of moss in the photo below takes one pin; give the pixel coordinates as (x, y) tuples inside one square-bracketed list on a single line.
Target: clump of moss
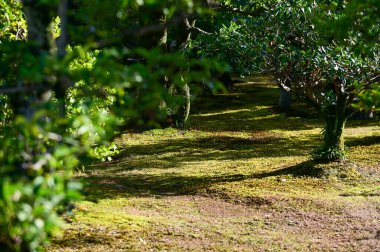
[(346, 171)]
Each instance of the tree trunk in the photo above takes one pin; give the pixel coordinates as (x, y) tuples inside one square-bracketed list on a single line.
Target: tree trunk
[(333, 148), (333, 135), (182, 114), (285, 99)]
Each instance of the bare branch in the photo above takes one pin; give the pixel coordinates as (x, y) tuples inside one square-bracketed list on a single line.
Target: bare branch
[(196, 29)]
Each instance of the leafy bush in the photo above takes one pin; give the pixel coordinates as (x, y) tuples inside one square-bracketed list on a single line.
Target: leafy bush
[(28, 210), (64, 96)]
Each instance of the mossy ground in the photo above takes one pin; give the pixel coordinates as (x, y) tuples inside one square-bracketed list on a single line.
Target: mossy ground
[(239, 179)]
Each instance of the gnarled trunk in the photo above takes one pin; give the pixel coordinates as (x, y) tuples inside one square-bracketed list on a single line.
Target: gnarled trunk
[(333, 148), (333, 138)]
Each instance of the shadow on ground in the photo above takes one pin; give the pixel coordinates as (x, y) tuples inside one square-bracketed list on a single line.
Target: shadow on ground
[(250, 108), (364, 141), (130, 174), (240, 98), (176, 152), (304, 169), (115, 184), (251, 120)]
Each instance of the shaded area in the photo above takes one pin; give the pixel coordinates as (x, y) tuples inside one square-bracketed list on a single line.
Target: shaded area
[(170, 156), (299, 109), (242, 98), (250, 107), (101, 187), (126, 177), (251, 120), (304, 169), (363, 123), (116, 184), (364, 141), (221, 148)]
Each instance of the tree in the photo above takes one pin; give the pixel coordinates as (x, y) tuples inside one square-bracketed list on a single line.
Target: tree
[(327, 72)]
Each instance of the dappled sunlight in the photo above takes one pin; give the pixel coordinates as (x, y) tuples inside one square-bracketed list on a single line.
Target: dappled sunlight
[(223, 112), (363, 131), (243, 167)]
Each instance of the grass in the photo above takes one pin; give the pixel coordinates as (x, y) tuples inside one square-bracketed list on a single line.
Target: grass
[(239, 179)]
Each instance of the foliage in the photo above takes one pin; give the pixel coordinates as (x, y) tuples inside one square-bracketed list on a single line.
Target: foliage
[(27, 207), (12, 23), (359, 24), (287, 40), (370, 99), (223, 45), (327, 154), (64, 96), (357, 21)]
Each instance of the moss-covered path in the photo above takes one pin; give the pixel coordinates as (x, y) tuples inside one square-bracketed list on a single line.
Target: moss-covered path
[(238, 180)]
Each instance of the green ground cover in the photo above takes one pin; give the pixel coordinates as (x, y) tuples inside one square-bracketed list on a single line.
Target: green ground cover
[(239, 179)]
